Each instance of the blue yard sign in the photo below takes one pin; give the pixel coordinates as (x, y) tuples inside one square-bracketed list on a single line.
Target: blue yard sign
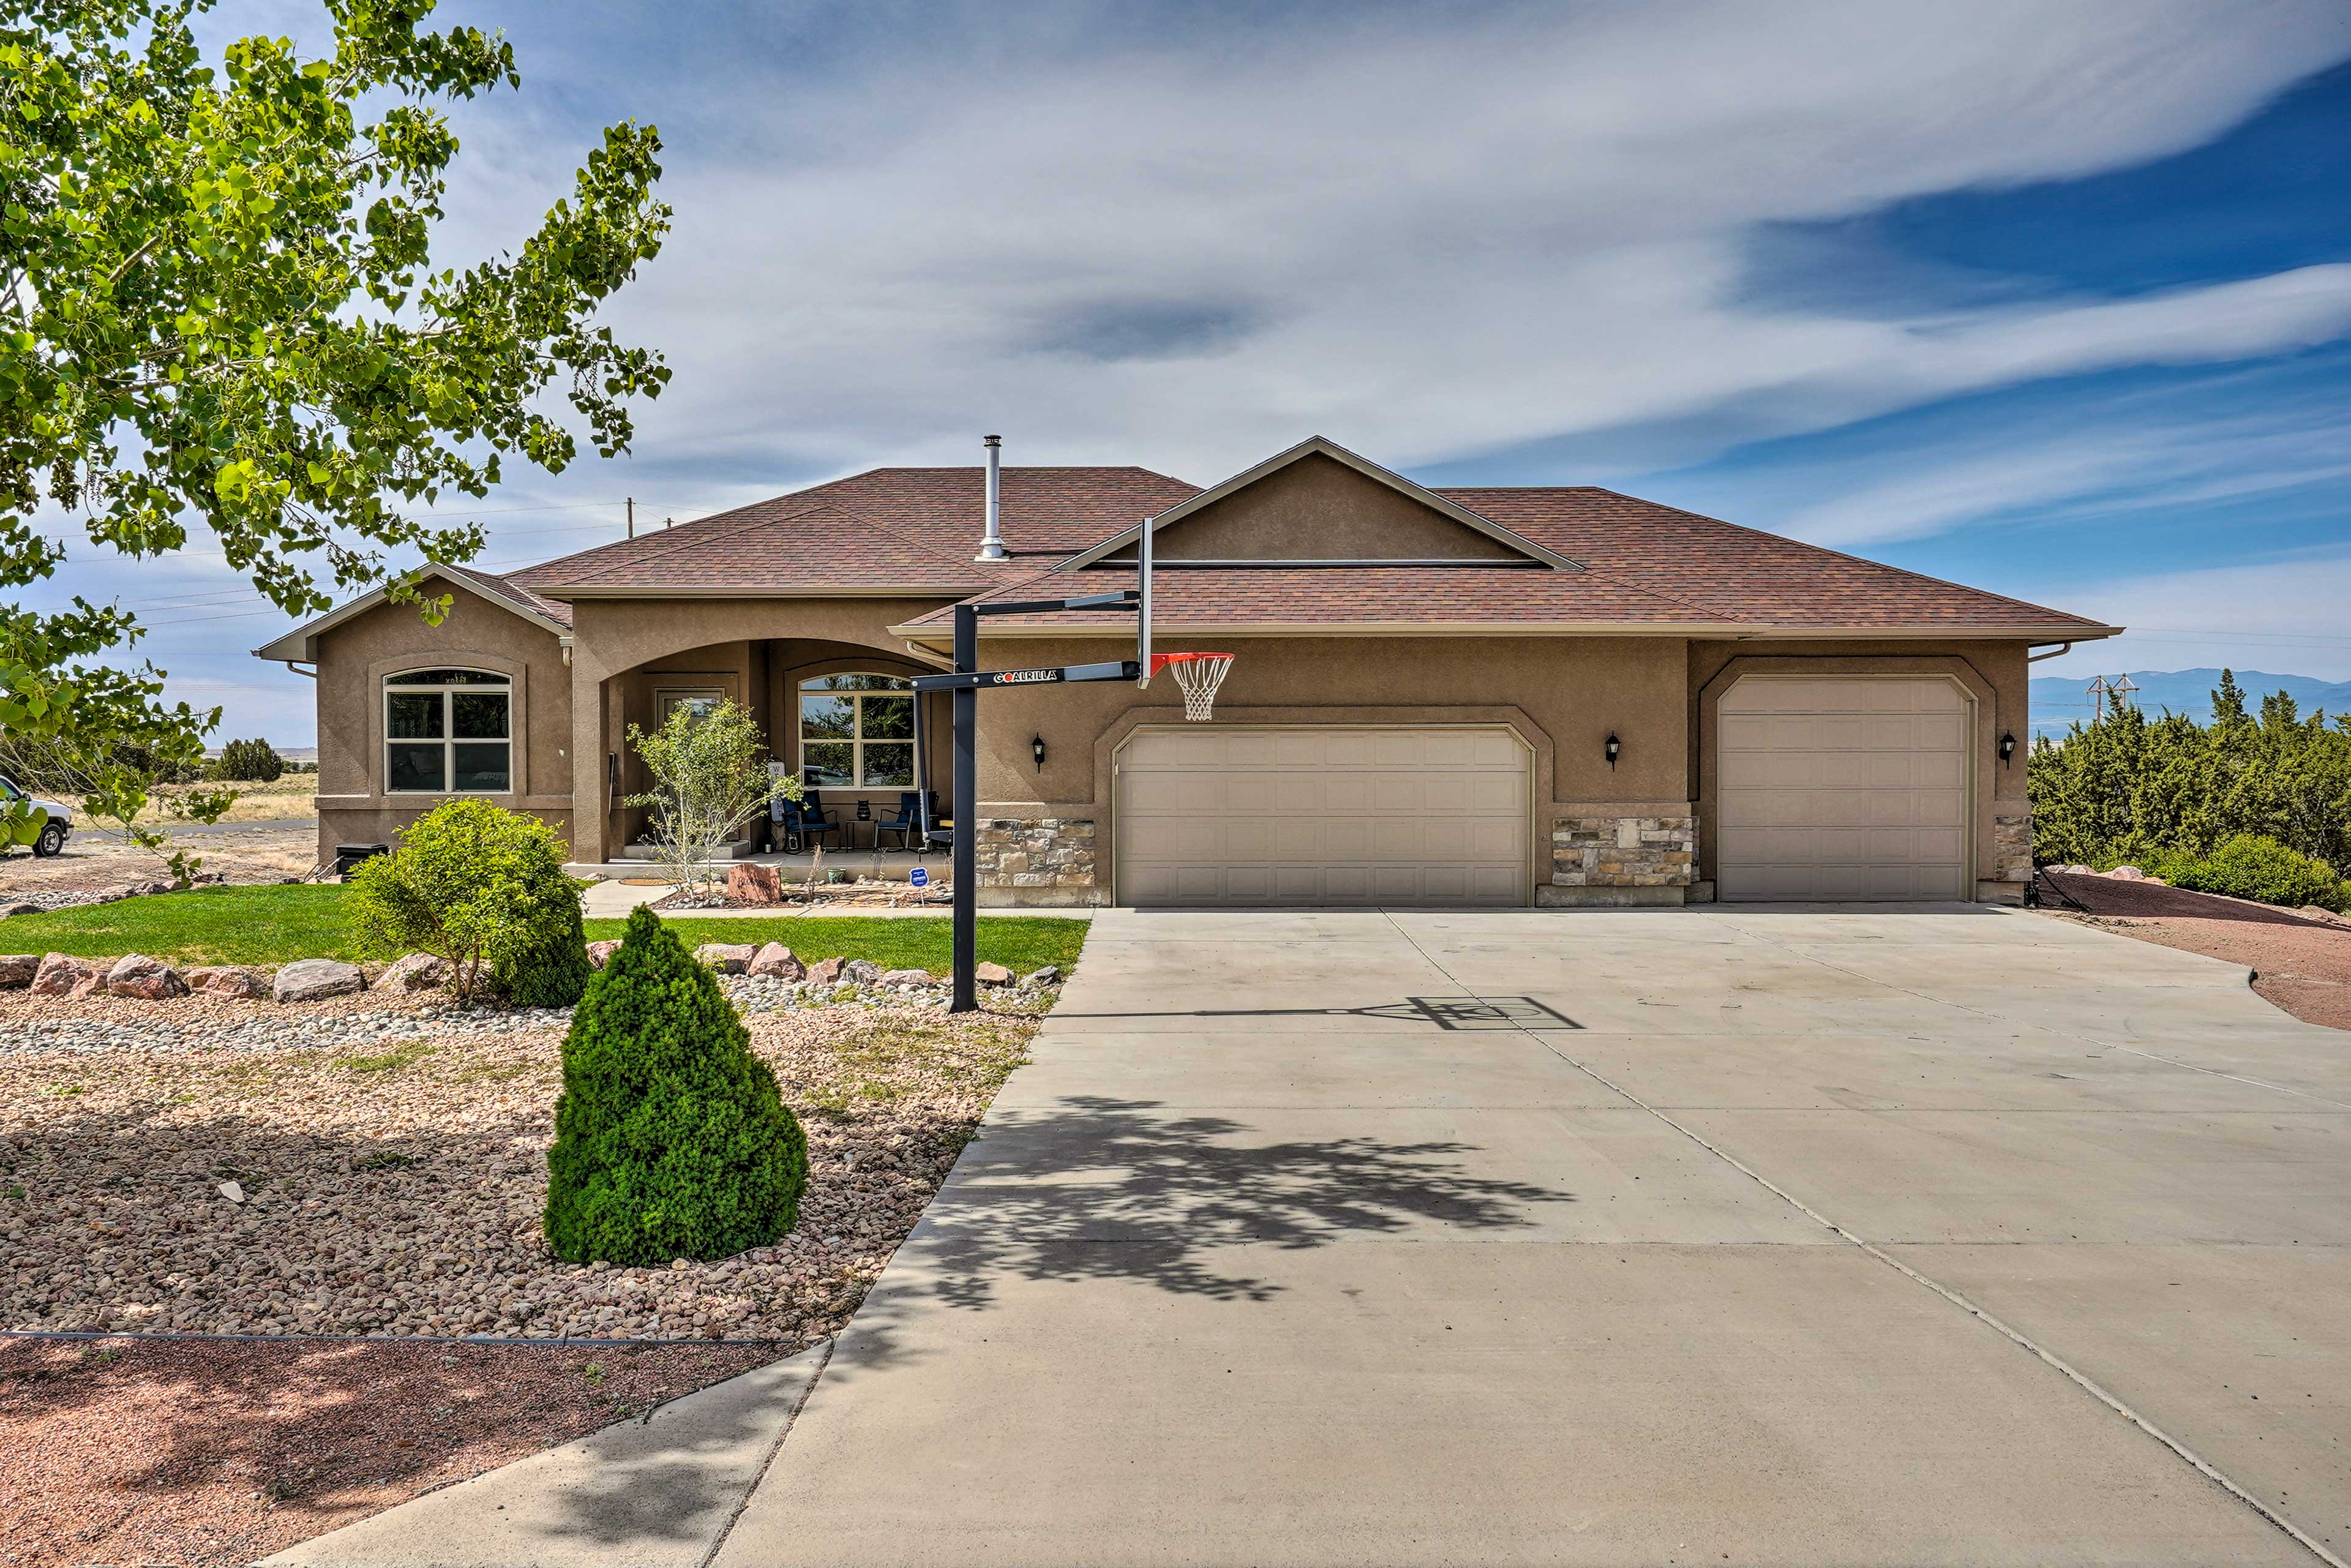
[(919, 876)]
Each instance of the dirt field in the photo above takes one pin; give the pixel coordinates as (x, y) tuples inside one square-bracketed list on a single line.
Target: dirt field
[(217, 1452), (94, 858), (2301, 965), (294, 795)]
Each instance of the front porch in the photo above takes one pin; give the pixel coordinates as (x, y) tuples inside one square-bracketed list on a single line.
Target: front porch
[(834, 711)]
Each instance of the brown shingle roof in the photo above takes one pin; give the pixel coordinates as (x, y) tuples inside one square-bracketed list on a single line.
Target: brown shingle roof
[(1742, 574), (914, 531)]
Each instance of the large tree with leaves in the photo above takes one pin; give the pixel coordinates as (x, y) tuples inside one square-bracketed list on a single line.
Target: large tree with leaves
[(223, 312)]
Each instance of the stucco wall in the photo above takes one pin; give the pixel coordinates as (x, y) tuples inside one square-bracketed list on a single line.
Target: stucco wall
[(1321, 510), (478, 633)]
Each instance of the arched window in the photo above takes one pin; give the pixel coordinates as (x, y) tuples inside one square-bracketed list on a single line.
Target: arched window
[(857, 732), (448, 732)]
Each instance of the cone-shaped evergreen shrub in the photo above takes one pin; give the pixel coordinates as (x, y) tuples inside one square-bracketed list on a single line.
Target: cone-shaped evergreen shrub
[(670, 1139)]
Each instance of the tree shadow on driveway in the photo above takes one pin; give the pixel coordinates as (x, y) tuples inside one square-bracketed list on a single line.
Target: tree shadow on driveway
[(1106, 1188)]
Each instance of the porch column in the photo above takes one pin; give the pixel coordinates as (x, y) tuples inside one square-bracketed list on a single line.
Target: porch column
[(589, 805)]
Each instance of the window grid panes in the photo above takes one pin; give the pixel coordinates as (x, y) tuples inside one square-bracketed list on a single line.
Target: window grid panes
[(448, 732), (857, 732)]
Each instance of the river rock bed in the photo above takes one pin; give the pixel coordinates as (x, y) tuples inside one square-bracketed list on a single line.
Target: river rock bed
[(292, 1189)]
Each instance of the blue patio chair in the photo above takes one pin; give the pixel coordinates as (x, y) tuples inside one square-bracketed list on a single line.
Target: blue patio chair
[(907, 823), (802, 825)]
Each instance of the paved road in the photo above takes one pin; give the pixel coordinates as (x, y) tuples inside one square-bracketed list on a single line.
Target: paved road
[(177, 830), (1957, 1236)]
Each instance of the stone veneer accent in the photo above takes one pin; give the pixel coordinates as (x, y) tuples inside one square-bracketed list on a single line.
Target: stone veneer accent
[(1035, 852), (2011, 844), (1624, 851)]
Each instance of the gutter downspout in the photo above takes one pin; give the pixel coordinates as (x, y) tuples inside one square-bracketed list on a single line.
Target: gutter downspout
[(2059, 652), (296, 665)]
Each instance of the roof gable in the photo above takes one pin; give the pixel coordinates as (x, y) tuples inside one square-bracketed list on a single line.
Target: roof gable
[(302, 645), (1319, 503)]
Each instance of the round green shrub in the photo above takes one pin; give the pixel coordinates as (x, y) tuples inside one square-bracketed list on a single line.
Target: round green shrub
[(484, 888), (2251, 866), (671, 1138)]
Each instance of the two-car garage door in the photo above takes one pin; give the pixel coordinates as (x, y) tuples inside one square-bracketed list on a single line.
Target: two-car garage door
[(1323, 816), (1842, 787)]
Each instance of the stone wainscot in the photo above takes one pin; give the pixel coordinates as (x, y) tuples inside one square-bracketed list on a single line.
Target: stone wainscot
[(1611, 856), (1039, 860)]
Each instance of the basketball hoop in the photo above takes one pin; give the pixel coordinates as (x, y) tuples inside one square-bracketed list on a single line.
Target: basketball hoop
[(1199, 675)]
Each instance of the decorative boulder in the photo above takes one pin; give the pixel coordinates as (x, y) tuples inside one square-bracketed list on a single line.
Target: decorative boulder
[(18, 969), (416, 972), (227, 981), (1051, 975), (2127, 874), (20, 908), (316, 979), (60, 975), (726, 957), (601, 952), (825, 971), (992, 974), (906, 977), (778, 962), (148, 979), (747, 882), (861, 972)]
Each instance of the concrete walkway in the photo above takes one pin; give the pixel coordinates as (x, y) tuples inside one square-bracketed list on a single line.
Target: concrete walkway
[(658, 1492), (1898, 1237)]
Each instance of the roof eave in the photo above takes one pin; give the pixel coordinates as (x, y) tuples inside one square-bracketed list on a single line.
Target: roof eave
[(574, 593), (1727, 631)]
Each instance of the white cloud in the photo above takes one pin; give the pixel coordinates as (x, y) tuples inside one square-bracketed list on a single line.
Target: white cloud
[(1426, 237), (2283, 614)]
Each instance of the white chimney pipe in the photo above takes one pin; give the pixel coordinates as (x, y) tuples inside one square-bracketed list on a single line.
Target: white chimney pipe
[(992, 546)]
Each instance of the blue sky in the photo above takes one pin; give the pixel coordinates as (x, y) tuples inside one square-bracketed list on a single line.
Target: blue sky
[(2054, 300)]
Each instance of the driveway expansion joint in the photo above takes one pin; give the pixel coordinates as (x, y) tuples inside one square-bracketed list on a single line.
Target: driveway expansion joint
[(2078, 1378)]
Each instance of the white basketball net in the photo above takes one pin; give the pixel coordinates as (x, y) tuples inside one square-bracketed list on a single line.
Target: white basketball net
[(1199, 675)]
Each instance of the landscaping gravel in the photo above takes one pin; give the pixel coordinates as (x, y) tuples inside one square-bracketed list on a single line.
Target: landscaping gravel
[(187, 1024), (222, 1165)]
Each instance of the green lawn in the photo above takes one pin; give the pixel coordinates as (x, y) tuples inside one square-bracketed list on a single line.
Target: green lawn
[(277, 925)]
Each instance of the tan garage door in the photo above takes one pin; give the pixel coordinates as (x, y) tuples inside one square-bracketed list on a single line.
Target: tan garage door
[(1323, 816), (1842, 787)]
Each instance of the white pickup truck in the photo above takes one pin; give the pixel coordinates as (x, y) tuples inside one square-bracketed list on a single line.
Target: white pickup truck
[(54, 831)]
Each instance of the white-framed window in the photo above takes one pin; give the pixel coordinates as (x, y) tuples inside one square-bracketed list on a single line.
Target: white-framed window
[(448, 732), (857, 732)]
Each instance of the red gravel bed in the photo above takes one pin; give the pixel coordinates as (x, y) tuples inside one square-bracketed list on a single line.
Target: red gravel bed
[(218, 1451), (2300, 964)]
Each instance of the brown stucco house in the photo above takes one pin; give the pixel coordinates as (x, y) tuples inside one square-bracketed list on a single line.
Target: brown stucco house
[(1523, 695)]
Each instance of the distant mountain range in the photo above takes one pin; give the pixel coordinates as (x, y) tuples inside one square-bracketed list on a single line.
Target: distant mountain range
[(2059, 700)]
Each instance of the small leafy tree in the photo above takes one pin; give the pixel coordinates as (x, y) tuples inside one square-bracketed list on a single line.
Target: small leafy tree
[(670, 1139), (711, 776), (226, 310), (479, 887), (250, 762)]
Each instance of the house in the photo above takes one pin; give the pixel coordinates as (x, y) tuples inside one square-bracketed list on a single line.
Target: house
[(1516, 696)]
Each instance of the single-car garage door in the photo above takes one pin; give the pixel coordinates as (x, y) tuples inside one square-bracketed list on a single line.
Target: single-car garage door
[(1322, 816), (1842, 787)]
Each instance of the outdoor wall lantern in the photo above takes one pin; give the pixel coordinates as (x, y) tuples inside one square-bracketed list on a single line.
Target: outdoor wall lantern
[(1613, 747), (2007, 747), (1037, 751)]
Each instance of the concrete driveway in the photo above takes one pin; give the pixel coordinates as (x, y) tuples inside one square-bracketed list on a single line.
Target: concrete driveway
[(1957, 1235)]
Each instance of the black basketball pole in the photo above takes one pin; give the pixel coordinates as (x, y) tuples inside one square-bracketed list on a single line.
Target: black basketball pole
[(966, 683), (966, 812)]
